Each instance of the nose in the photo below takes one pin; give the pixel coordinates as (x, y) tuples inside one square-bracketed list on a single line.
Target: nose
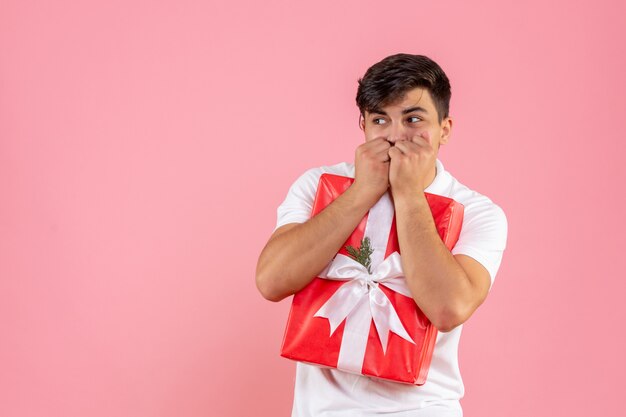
[(397, 132)]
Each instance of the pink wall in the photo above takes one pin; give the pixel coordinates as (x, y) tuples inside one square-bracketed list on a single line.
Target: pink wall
[(144, 149)]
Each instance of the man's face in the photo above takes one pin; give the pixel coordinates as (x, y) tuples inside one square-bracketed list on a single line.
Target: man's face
[(410, 116)]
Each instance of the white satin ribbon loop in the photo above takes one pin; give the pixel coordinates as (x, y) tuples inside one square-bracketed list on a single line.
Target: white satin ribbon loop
[(342, 302)]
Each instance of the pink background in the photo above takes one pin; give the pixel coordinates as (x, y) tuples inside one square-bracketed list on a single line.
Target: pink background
[(145, 147)]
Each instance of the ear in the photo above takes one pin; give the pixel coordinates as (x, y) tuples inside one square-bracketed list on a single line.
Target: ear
[(361, 122), (446, 130)]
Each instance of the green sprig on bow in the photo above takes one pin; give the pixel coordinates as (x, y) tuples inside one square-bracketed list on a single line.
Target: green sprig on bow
[(362, 255)]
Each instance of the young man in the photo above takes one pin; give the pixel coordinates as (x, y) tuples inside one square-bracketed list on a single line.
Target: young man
[(404, 102)]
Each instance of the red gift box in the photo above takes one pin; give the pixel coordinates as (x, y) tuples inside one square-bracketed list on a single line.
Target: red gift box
[(360, 321)]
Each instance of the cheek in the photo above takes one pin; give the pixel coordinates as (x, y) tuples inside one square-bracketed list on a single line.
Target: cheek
[(373, 133)]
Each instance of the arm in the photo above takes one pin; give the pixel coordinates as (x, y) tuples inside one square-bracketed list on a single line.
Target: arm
[(297, 252), (447, 288)]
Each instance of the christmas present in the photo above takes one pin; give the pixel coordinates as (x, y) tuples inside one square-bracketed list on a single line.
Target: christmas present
[(358, 315)]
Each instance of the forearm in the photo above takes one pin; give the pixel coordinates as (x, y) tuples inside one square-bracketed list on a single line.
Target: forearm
[(437, 282), (292, 259)]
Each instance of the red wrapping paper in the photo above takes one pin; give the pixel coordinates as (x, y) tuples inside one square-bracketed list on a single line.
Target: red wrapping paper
[(307, 338)]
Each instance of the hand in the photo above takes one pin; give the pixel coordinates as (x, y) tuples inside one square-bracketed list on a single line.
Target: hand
[(411, 163), (371, 168)]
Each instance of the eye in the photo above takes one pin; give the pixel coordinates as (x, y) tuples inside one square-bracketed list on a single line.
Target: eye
[(379, 121), (413, 119)]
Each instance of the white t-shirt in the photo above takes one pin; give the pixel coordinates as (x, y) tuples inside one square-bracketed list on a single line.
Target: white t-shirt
[(324, 392)]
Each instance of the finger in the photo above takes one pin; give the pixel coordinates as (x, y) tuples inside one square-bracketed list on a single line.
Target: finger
[(382, 141), (380, 153), (406, 146), (372, 149), (394, 152), (380, 147), (378, 139), (422, 138), (374, 140), (376, 143)]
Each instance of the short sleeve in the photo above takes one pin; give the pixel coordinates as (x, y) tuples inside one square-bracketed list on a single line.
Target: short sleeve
[(483, 235), (298, 204)]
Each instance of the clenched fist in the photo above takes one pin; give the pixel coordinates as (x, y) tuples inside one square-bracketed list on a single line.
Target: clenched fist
[(412, 162), (371, 161)]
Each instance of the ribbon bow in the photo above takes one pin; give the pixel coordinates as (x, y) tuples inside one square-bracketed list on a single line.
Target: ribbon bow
[(362, 285)]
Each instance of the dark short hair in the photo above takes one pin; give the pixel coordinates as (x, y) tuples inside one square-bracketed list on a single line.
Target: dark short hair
[(390, 79)]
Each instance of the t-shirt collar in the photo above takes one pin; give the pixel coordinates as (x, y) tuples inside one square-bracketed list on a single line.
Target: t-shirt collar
[(438, 185)]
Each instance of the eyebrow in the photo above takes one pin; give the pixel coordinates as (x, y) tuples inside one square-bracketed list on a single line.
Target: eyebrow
[(405, 111)]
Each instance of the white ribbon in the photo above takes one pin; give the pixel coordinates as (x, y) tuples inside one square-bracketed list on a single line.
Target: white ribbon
[(349, 303)]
